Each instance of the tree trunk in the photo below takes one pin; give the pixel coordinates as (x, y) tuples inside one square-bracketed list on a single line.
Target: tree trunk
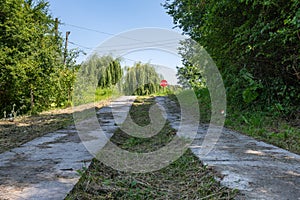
[(31, 99)]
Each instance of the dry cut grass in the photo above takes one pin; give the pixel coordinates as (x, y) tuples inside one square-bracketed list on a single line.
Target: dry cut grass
[(27, 128)]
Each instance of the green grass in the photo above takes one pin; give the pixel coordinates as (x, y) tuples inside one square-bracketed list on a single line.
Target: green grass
[(91, 95), (102, 94), (265, 126), (186, 178)]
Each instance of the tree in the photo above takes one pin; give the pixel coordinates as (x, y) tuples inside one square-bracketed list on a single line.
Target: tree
[(191, 74), (30, 57), (106, 70), (258, 39), (141, 79)]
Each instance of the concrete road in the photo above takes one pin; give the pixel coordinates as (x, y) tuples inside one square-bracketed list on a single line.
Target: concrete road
[(257, 169), (46, 168)]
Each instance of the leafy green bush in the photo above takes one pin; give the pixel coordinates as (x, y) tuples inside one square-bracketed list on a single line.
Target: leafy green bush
[(32, 73), (255, 44)]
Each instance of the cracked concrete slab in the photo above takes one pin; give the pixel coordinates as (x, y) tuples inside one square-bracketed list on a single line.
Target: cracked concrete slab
[(259, 170), (46, 167)]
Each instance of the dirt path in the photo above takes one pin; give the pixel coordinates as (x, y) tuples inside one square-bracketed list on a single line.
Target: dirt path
[(257, 169)]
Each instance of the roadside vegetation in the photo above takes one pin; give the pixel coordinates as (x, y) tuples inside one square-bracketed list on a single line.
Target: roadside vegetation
[(269, 127), (28, 127), (256, 46), (36, 73), (254, 43), (186, 178)]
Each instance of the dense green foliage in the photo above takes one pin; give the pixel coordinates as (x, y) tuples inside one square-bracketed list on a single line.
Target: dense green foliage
[(105, 69), (255, 44), (32, 74), (141, 79), (96, 79)]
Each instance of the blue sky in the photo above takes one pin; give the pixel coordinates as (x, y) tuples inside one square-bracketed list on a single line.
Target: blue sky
[(92, 22), (111, 17)]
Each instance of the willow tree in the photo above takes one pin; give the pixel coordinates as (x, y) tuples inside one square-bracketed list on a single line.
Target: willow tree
[(141, 79), (105, 69)]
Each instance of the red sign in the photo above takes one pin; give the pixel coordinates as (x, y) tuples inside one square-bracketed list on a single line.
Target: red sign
[(163, 83)]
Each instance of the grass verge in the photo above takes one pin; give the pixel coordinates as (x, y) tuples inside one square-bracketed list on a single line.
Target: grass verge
[(264, 126), (186, 178), (26, 128)]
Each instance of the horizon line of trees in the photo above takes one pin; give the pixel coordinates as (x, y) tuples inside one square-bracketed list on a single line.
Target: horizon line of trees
[(141, 79), (107, 72)]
